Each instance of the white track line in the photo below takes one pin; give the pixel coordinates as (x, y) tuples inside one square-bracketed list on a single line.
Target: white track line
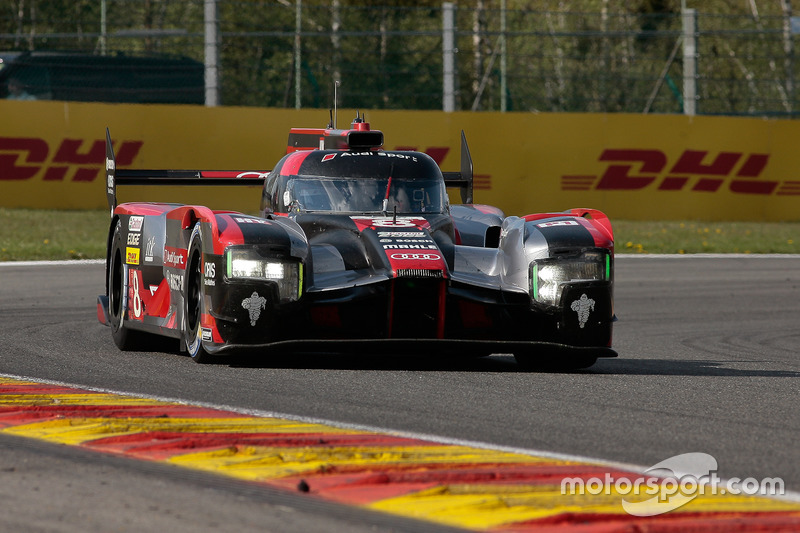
[(53, 263)]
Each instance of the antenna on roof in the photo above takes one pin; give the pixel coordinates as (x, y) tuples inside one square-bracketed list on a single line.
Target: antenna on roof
[(335, 101)]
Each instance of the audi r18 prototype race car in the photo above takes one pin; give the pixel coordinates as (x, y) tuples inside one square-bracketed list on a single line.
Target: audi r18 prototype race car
[(357, 248)]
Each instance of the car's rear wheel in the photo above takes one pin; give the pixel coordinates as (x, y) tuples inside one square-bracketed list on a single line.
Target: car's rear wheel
[(194, 300), (124, 337)]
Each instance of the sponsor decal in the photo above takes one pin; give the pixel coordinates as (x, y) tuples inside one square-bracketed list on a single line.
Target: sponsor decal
[(252, 174), (694, 170), (415, 241), (406, 240), (210, 272), (558, 223), (135, 302), (69, 160), (135, 223), (243, 220), (583, 306), (110, 165), (397, 156), (328, 157), (206, 334), (390, 155), (133, 239), (175, 281), (254, 304), (174, 257), (416, 257), (410, 246), (402, 234), (358, 154), (149, 248), (132, 256)]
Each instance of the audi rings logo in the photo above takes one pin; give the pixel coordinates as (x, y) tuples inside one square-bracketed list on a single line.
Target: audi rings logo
[(417, 257)]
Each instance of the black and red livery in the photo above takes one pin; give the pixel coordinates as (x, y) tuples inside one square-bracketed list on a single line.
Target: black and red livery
[(357, 248)]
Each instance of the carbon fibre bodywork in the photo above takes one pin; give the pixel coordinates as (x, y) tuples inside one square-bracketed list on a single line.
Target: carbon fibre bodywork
[(354, 248)]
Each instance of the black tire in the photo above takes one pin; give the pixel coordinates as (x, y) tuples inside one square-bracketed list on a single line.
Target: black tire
[(193, 300), (125, 338)]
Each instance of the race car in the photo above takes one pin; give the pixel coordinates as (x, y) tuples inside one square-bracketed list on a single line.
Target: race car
[(356, 248)]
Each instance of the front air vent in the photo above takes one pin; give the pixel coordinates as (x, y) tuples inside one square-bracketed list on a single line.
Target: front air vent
[(419, 273), (417, 310)]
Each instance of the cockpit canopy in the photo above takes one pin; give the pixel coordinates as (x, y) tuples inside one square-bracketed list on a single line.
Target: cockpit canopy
[(357, 195), (357, 183)]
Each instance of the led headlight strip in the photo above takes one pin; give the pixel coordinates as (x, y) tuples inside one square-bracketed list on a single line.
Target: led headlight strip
[(548, 276), (250, 264)]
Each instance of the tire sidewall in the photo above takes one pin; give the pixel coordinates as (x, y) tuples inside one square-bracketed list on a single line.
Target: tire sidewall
[(193, 333), (117, 287)]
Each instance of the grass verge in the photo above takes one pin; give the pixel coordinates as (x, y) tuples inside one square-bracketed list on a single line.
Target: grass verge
[(39, 235), (33, 235), (641, 237)]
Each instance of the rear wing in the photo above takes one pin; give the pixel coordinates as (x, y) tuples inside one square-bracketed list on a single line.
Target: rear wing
[(462, 179), (359, 138), (116, 177)]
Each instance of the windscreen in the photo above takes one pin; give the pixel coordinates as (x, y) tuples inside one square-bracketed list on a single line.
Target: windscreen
[(368, 196)]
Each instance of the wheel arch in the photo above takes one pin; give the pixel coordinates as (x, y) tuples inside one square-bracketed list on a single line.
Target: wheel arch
[(109, 245)]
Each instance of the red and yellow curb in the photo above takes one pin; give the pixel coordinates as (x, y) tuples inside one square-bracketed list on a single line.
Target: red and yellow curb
[(463, 486)]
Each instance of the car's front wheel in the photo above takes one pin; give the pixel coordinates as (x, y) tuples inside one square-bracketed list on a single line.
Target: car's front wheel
[(194, 300)]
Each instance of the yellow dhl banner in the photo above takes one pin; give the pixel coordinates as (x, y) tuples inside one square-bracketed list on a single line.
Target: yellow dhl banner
[(658, 167)]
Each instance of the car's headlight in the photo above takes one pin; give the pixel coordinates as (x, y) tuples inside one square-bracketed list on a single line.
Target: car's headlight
[(548, 276), (248, 263)]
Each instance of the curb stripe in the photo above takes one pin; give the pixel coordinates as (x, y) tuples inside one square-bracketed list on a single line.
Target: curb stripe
[(462, 485)]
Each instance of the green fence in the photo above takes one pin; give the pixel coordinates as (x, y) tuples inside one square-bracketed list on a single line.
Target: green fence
[(598, 56)]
